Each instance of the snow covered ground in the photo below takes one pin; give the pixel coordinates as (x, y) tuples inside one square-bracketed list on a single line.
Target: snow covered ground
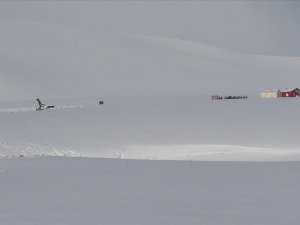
[(186, 127), (56, 191), (180, 134)]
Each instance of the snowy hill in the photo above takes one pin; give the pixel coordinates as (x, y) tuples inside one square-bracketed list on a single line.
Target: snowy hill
[(52, 52), (145, 66)]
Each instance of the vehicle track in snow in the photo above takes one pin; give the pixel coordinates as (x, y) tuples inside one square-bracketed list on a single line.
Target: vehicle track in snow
[(31, 109)]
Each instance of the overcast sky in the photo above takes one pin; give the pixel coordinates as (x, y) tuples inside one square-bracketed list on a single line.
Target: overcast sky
[(55, 44)]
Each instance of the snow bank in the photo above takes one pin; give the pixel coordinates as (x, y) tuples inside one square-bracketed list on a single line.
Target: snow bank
[(8, 150), (203, 153)]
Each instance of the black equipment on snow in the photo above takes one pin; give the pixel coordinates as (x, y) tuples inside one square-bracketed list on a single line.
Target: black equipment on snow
[(43, 106)]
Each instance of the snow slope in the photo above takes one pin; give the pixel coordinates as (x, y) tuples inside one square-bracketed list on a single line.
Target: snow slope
[(76, 63)]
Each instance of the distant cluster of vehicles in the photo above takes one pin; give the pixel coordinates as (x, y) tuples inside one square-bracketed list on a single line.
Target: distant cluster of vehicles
[(217, 97)]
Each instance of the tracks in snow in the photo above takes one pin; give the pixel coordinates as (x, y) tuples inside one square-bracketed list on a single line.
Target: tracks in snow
[(31, 109)]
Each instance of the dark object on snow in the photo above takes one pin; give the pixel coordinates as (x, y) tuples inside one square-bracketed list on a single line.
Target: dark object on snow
[(236, 97), (101, 102), (43, 106), (216, 97)]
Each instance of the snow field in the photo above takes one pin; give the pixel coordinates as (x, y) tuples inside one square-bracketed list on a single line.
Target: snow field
[(101, 191), (174, 128)]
